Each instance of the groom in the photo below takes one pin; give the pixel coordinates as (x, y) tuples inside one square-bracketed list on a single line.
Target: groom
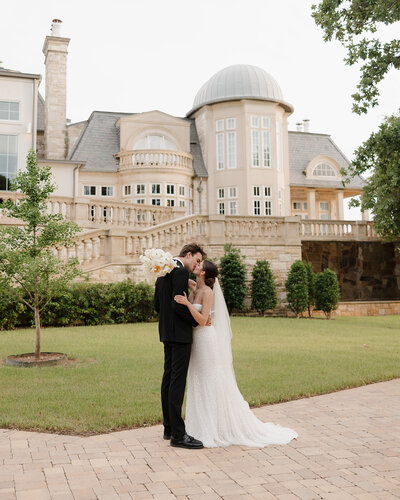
[(175, 329)]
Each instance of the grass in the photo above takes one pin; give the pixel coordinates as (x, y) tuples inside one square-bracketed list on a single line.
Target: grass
[(114, 382)]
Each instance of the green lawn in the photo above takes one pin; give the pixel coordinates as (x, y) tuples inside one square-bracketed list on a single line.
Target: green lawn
[(114, 383)]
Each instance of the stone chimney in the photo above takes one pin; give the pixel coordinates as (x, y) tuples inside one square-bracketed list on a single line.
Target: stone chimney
[(55, 50), (299, 127), (306, 125)]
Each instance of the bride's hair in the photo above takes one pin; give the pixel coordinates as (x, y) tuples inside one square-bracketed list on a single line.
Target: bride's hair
[(211, 271)]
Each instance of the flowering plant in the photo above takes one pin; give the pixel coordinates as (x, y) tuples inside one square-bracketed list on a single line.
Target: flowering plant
[(157, 262)]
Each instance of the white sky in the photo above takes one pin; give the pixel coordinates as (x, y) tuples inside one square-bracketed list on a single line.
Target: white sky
[(139, 55)]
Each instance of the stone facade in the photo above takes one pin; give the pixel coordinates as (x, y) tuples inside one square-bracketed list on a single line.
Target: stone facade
[(366, 270), (55, 50), (366, 308)]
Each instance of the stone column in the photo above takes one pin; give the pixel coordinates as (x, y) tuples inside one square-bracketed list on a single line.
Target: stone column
[(55, 50), (311, 203), (365, 215), (339, 204)]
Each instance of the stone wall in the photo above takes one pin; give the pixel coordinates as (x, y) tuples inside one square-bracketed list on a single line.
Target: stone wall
[(366, 270), (368, 308)]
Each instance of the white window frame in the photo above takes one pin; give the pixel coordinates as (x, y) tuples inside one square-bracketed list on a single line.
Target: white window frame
[(90, 188), (9, 112), (219, 125), (170, 189), (233, 192), (125, 188), (220, 193), (170, 202), (231, 149), (257, 191), (155, 191), (231, 204), (230, 123), (254, 121), (255, 148), (256, 207), (221, 208), (268, 207), (109, 191), (139, 190), (140, 201), (220, 146), (156, 202), (182, 190), (327, 168), (267, 191)]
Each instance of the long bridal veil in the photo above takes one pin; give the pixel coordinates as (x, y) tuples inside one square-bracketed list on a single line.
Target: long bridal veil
[(216, 412), (222, 324)]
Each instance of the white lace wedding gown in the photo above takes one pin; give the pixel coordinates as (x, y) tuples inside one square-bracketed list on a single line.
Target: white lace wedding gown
[(216, 412)]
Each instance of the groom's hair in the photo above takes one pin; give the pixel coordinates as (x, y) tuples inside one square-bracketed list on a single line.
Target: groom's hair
[(192, 248)]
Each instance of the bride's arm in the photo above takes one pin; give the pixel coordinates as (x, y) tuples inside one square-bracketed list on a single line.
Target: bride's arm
[(202, 317)]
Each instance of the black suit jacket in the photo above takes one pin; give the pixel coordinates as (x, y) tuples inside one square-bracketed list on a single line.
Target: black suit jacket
[(175, 322)]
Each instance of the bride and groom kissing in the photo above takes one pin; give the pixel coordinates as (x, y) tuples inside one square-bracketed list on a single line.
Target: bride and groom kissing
[(196, 333)]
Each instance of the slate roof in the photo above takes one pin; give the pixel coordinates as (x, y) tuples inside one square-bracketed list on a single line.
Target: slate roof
[(195, 150), (305, 146), (99, 141)]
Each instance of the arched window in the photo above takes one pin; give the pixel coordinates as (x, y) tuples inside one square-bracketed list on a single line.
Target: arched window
[(155, 142), (323, 170)]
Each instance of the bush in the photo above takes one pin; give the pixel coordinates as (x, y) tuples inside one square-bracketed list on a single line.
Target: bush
[(233, 278), (327, 292), (310, 286), (87, 304), (297, 288), (263, 287), (9, 310)]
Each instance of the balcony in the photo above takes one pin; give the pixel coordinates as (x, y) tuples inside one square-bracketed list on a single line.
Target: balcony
[(149, 158)]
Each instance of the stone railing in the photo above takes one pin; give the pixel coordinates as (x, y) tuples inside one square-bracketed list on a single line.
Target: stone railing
[(337, 230), (100, 214), (154, 158)]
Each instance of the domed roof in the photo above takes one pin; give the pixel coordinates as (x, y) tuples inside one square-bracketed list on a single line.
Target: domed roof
[(240, 81)]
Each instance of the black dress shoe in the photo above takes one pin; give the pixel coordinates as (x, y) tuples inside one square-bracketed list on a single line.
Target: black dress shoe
[(187, 442), (166, 436)]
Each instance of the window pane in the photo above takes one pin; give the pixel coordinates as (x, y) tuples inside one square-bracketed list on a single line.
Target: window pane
[(231, 123), (231, 149), (255, 121), (220, 151), (266, 149), (265, 122), (219, 125), (255, 147)]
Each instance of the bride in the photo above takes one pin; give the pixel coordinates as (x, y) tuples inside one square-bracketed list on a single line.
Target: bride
[(216, 412)]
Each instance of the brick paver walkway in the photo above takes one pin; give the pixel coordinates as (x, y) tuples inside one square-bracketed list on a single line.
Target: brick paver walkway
[(348, 447)]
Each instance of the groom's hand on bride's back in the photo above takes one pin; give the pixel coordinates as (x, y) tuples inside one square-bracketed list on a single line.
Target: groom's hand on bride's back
[(208, 321)]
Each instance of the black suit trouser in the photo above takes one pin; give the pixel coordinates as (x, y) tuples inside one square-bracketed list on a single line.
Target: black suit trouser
[(176, 363)]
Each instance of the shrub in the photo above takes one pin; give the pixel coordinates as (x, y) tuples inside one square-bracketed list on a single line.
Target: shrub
[(297, 288), (233, 278), (310, 286), (327, 292), (87, 304), (263, 287)]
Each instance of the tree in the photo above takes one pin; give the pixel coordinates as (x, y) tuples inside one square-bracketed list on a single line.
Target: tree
[(263, 287), (233, 278), (310, 286), (327, 292), (28, 266), (297, 287), (348, 21), (380, 155)]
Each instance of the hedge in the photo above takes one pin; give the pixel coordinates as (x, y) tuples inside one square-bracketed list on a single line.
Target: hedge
[(86, 304)]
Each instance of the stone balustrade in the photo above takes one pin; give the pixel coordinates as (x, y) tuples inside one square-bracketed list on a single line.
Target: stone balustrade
[(337, 230), (100, 214), (154, 158)]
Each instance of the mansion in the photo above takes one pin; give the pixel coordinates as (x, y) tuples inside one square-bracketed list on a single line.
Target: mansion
[(228, 171)]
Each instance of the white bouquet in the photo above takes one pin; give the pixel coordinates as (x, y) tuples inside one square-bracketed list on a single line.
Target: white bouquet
[(157, 262)]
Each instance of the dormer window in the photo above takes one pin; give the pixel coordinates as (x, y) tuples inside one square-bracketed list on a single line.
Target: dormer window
[(323, 170), (155, 142)]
